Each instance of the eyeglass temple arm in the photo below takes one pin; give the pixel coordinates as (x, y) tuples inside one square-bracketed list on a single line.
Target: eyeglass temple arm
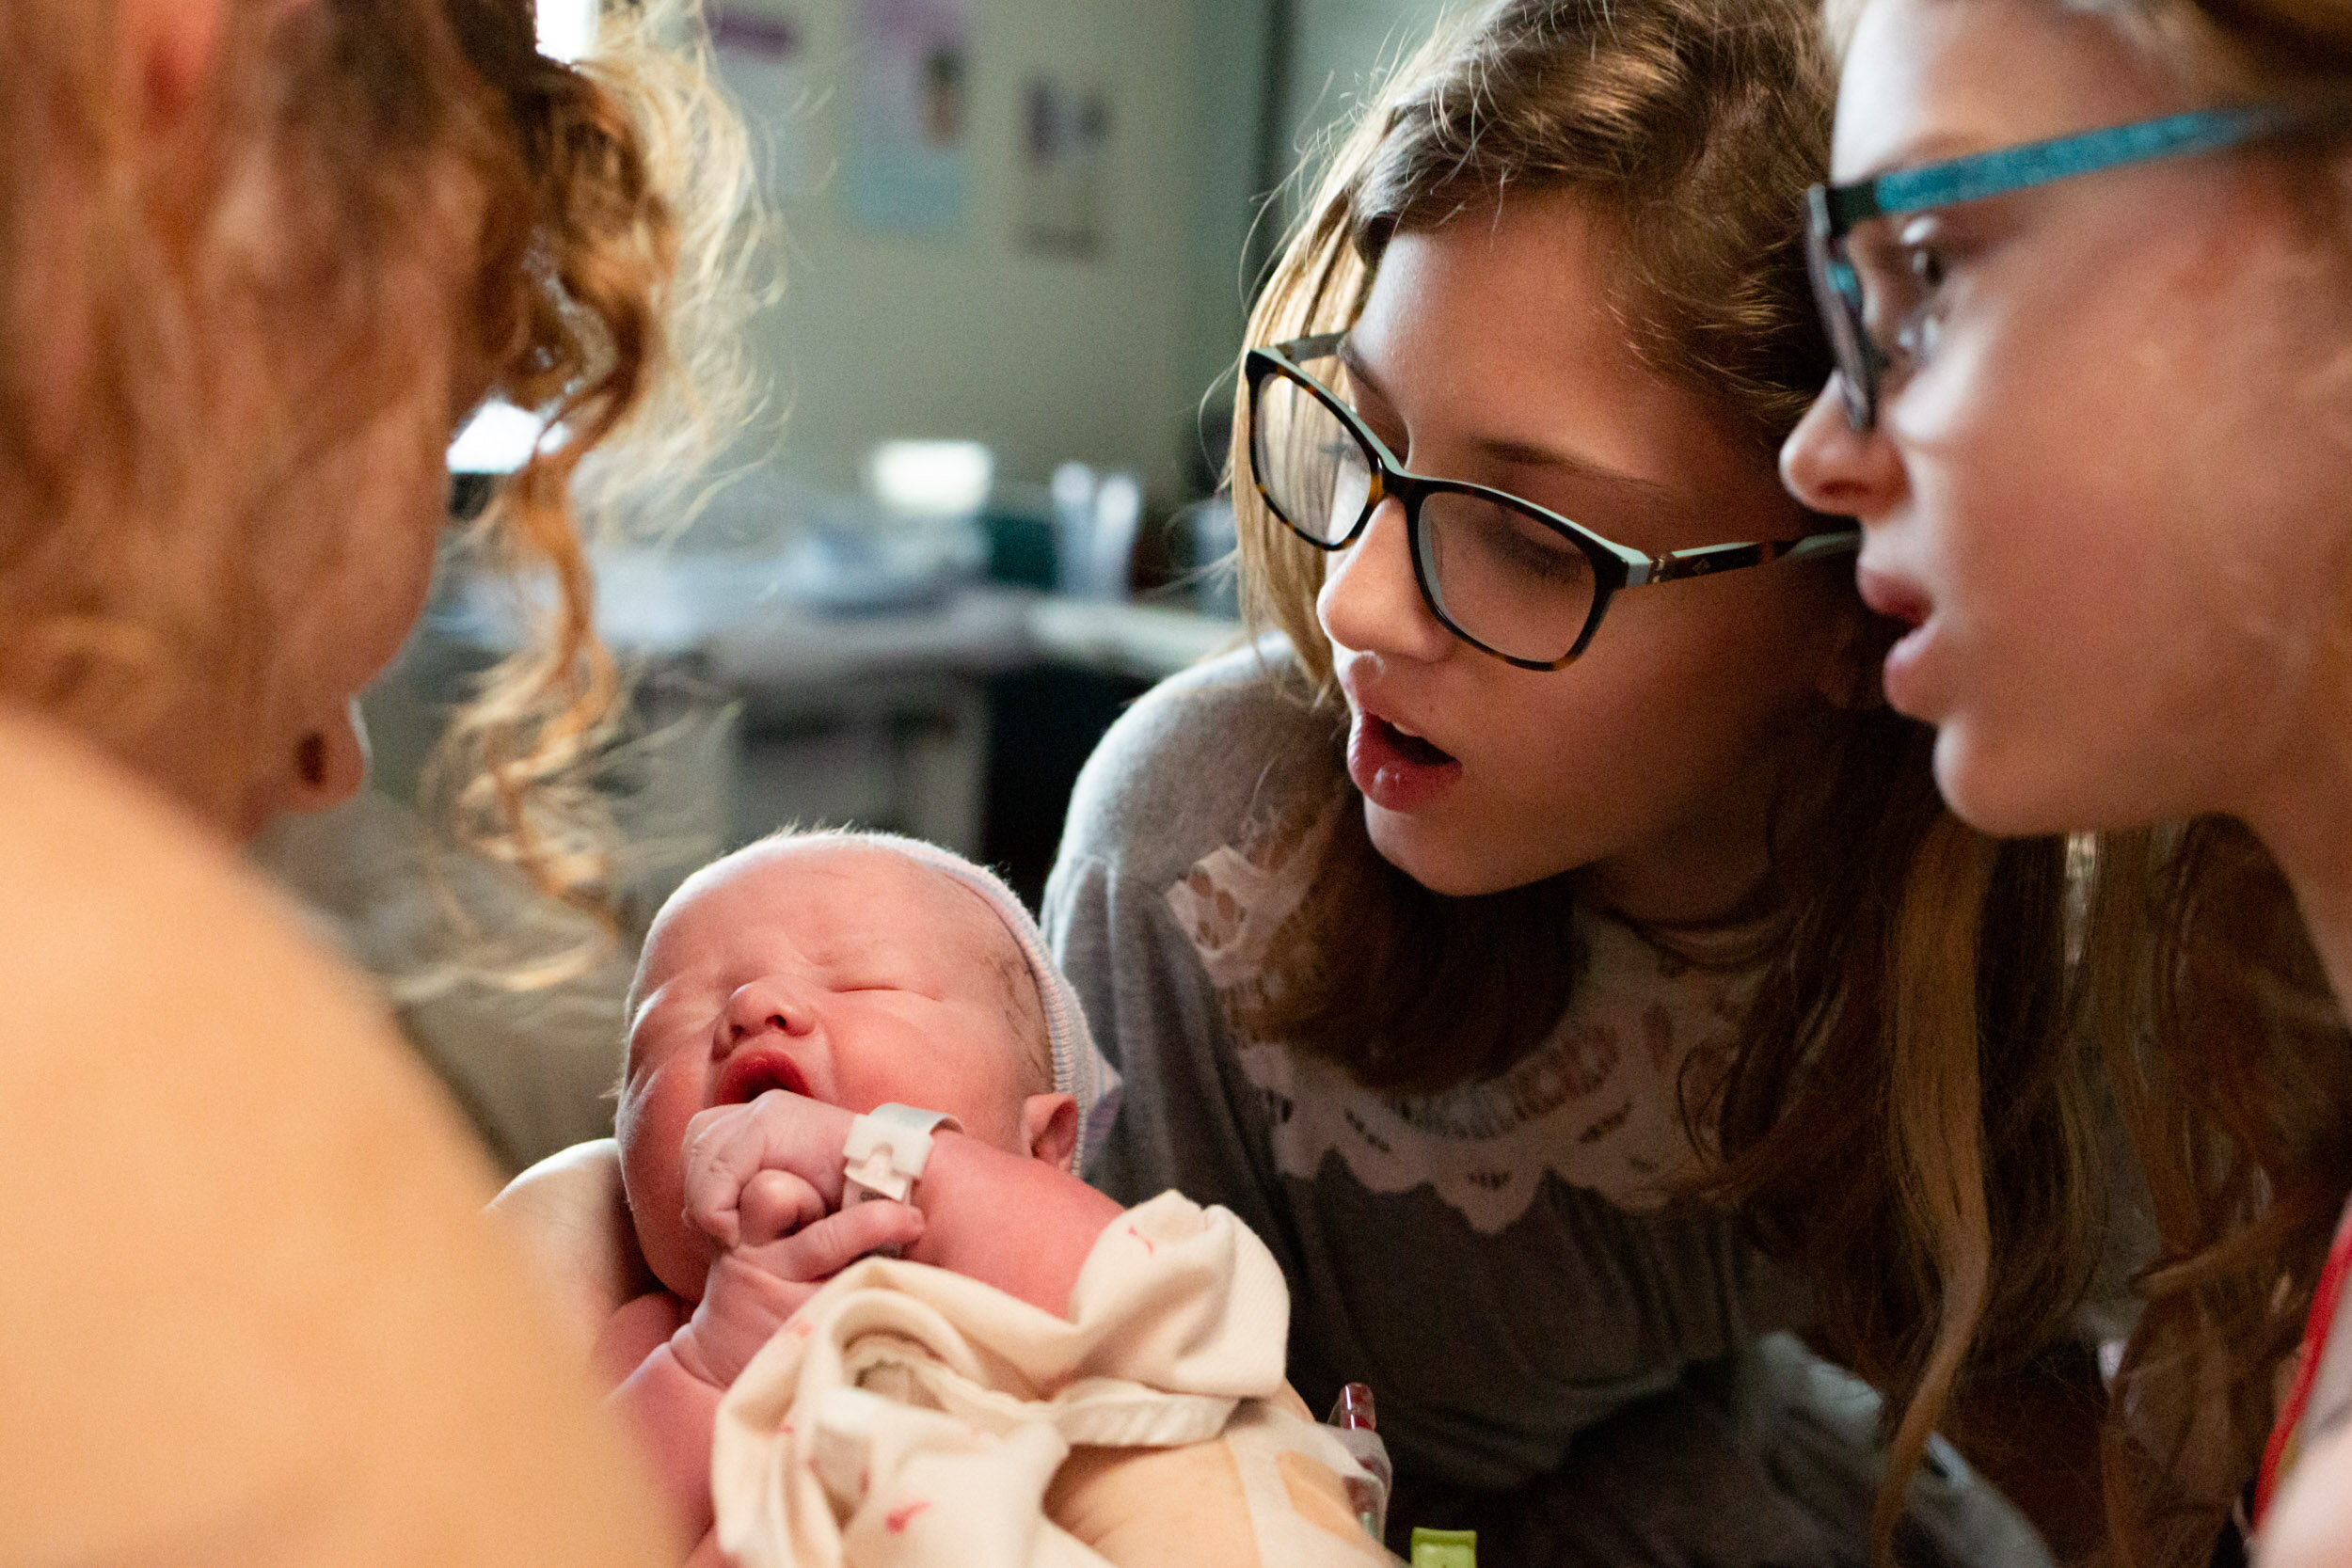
[(1838, 209), (1319, 346), (1708, 559)]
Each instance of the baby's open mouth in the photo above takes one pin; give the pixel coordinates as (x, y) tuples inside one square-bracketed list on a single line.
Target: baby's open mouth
[(754, 1072)]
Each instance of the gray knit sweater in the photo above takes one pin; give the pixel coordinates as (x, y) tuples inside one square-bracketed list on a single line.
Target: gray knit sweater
[(1495, 1261)]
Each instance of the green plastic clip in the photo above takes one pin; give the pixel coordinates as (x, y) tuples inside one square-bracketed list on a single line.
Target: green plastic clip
[(1445, 1548)]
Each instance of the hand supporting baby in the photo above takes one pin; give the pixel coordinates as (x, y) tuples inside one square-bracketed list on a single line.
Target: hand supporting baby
[(764, 1182)]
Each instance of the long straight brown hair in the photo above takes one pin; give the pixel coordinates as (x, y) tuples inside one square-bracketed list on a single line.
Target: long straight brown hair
[(2230, 1054), (2233, 1069), (1908, 1103)]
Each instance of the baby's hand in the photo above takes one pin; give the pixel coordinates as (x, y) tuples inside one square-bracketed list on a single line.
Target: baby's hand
[(780, 1243), (729, 1147)]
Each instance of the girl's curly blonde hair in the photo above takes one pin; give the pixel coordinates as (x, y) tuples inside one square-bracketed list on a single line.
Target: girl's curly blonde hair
[(143, 531)]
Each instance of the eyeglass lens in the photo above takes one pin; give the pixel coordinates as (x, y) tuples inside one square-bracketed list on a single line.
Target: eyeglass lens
[(1876, 309), (1495, 572), (1838, 294), (1313, 471)]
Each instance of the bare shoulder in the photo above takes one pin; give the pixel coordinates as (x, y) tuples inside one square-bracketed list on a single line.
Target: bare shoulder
[(2311, 1525), (251, 1312), (566, 1187), (162, 995)]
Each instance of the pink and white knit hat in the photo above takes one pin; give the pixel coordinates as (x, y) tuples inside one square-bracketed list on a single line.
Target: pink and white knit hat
[(1080, 1068)]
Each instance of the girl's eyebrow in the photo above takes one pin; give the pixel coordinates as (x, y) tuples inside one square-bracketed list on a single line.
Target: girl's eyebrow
[(1931, 147), (1518, 454)]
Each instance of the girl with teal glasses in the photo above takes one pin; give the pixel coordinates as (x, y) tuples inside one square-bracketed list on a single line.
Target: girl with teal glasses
[(2088, 274)]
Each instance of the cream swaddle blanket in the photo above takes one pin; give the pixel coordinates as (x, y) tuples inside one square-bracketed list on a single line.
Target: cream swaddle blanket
[(910, 1418)]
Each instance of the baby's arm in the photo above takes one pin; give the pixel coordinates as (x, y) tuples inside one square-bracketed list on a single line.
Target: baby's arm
[(685, 1358), (1005, 1219), (668, 1408)]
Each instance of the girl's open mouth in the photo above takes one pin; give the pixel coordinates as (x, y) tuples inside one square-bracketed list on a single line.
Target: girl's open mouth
[(1397, 770), (1414, 748)]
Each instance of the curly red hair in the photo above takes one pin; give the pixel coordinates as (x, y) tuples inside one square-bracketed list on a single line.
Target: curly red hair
[(144, 536)]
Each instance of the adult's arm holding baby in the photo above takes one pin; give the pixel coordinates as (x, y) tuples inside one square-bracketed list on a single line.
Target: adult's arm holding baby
[(251, 1314), (569, 1216), (2310, 1526)]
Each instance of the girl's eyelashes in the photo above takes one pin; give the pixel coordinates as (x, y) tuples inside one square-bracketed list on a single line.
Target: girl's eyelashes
[(1927, 267), (1907, 283), (1924, 249), (1393, 436), (1916, 333), (1375, 415)]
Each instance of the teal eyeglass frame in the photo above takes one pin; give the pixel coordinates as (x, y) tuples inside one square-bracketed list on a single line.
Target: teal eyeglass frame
[(1833, 211)]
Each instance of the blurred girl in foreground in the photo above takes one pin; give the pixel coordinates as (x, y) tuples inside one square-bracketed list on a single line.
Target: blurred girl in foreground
[(258, 260), (2090, 271)]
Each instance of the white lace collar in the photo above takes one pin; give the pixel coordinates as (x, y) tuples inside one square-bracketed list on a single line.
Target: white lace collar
[(1598, 1104)]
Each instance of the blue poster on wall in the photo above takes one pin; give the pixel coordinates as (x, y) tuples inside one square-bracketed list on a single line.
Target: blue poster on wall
[(907, 167)]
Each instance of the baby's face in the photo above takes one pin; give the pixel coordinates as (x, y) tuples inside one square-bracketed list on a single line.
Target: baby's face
[(844, 973)]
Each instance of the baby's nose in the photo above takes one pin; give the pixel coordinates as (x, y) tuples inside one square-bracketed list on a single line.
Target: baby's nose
[(766, 1006)]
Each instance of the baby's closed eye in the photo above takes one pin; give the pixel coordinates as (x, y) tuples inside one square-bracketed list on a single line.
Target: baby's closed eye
[(884, 984)]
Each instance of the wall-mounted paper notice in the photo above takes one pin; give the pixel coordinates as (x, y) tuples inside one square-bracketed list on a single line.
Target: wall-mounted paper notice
[(762, 53), (908, 164), (1066, 132)]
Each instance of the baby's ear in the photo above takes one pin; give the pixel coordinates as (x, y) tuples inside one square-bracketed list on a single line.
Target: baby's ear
[(1049, 1126)]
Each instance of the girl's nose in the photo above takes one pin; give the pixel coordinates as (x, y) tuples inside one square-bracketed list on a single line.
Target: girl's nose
[(771, 1005), (1370, 601), (1836, 469)]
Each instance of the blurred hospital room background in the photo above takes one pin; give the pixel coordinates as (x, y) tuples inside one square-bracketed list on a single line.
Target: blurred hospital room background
[(974, 517)]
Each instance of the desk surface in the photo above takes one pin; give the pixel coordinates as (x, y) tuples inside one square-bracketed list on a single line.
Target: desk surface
[(726, 614)]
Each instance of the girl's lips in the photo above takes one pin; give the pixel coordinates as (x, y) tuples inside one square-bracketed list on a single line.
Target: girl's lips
[(1904, 677), (755, 1069), (1908, 604), (1897, 598), (1396, 772)]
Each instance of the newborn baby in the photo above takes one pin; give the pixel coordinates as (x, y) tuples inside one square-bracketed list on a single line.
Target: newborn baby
[(849, 972), (784, 991)]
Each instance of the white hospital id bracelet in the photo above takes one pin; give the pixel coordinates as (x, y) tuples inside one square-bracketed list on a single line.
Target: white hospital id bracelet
[(886, 1151)]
